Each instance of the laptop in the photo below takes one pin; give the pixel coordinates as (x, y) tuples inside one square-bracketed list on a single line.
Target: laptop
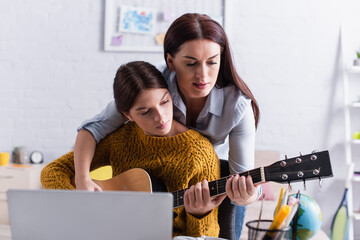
[(82, 215)]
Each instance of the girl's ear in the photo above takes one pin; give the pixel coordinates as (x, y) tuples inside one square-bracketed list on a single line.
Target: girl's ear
[(170, 62), (128, 116)]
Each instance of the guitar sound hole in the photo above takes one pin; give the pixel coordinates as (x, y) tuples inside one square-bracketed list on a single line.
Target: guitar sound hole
[(158, 185)]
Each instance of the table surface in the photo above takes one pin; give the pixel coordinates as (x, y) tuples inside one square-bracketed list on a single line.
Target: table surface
[(5, 233)]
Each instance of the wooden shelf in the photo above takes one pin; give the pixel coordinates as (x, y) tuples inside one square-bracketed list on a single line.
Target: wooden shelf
[(353, 69), (351, 75), (356, 178), (355, 104)]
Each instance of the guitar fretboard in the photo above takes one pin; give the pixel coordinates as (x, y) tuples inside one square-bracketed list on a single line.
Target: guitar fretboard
[(218, 186)]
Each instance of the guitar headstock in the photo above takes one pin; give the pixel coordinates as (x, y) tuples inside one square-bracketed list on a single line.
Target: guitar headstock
[(314, 165)]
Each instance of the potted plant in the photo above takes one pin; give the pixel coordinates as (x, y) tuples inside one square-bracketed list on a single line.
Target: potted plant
[(357, 61)]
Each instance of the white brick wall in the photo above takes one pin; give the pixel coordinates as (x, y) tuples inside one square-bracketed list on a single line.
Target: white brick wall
[(289, 53), (53, 72), (54, 75)]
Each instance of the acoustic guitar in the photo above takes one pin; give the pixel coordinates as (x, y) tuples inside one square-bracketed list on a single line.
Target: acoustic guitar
[(311, 166)]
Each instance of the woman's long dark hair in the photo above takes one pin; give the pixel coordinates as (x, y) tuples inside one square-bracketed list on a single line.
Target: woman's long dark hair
[(133, 78), (192, 26)]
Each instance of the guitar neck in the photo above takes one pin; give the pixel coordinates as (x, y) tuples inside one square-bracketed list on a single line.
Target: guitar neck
[(311, 166), (218, 187)]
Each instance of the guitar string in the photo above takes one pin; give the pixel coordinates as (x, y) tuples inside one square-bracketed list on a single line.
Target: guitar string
[(178, 200), (224, 180), (221, 183)]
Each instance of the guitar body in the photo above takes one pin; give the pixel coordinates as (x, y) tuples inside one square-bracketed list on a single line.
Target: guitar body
[(135, 179)]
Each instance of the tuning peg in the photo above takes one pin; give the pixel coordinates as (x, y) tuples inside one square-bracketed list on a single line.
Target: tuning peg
[(304, 185), (315, 151), (285, 156), (300, 154), (289, 187), (320, 182)]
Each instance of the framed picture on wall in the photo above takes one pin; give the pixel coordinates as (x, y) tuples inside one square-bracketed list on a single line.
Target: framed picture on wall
[(140, 25), (137, 20)]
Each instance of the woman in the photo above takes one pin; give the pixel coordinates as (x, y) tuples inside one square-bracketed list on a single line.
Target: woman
[(209, 96), (152, 140)]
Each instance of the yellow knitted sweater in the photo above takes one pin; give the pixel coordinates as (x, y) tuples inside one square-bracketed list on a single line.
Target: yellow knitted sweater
[(179, 161)]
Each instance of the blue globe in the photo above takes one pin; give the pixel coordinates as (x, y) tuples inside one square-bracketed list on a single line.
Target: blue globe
[(309, 218)]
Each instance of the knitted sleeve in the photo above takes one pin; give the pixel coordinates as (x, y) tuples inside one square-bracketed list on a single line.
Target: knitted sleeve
[(60, 173), (208, 168)]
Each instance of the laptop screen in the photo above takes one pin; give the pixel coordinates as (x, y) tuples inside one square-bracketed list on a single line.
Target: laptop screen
[(63, 214)]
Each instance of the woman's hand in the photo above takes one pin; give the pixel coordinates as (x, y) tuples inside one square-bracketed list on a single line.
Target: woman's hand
[(197, 200), (86, 183), (241, 190)]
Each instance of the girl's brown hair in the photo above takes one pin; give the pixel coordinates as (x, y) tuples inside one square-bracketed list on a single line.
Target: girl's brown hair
[(192, 26), (133, 78)]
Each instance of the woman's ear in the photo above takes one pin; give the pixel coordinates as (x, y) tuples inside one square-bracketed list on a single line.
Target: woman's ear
[(170, 62), (128, 116)]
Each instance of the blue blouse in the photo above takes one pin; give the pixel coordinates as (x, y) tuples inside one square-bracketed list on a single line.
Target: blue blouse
[(227, 120)]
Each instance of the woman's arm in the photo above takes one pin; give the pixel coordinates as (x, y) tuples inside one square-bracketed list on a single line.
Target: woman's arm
[(91, 132), (241, 190), (242, 143), (83, 154), (104, 123)]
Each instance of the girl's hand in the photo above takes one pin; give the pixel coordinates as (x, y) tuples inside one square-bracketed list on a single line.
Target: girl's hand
[(197, 200), (241, 190), (87, 184)]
